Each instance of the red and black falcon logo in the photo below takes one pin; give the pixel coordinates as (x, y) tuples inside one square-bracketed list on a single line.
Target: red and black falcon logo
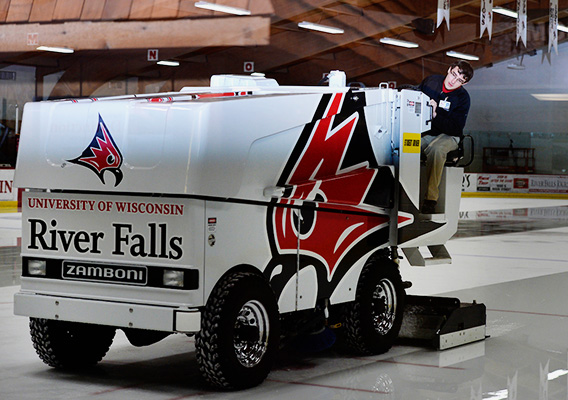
[(102, 155)]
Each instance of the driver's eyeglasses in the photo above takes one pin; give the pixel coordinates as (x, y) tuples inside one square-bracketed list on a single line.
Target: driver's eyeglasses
[(455, 75)]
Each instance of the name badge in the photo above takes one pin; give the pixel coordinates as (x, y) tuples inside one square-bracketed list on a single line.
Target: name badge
[(445, 105)]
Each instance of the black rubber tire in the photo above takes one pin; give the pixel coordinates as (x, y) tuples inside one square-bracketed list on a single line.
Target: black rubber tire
[(65, 345), (220, 345), (366, 329)]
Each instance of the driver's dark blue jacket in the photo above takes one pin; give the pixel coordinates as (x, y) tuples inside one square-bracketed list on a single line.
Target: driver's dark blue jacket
[(450, 122)]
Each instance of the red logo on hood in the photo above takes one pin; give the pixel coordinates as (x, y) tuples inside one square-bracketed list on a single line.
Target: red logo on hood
[(102, 155), (317, 177)]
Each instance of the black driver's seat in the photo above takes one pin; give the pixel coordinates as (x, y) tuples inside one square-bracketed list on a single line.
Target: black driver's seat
[(454, 157)]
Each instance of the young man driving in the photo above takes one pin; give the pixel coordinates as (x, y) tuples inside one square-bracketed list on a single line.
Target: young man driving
[(450, 103)]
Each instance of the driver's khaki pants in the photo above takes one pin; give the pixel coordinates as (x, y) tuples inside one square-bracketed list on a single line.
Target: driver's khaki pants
[(436, 149)]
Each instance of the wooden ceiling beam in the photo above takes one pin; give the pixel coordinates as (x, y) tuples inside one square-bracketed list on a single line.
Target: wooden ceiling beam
[(93, 10), (28, 11), (289, 46), (116, 10), (4, 6), (286, 9), (67, 10), (296, 46), (293, 56), (233, 31), (376, 18), (19, 10), (42, 11), (503, 46), (367, 59), (359, 61), (362, 61)]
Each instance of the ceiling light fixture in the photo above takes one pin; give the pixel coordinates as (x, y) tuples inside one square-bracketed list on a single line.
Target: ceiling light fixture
[(463, 56), (65, 50), (550, 96), (557, 374), (506, 11), (398, 42), (517, 67), (168, 63), (320, 28), (221, 8), (562, 28)]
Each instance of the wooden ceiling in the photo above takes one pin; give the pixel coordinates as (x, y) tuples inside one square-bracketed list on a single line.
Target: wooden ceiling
[(111, 39)]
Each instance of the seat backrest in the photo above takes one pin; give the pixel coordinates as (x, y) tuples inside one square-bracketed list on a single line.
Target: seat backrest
[(455, 157)]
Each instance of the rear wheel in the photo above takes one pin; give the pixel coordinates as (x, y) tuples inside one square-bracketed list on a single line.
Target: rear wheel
[(373, 320), (239, 332), (63, 344)]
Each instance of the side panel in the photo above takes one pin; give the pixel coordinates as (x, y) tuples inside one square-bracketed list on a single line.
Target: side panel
[(85, 233), (235, 236), (332, 215)]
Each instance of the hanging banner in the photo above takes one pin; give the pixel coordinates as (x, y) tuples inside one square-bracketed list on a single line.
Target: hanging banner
[(443, 12), (553, 26), (486, 17), (522, 21)]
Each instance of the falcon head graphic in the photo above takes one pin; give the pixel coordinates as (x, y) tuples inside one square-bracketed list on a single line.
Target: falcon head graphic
[(102, 155)]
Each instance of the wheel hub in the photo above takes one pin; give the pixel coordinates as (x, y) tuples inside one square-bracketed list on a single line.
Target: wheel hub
[(384, 305), (252, 331)]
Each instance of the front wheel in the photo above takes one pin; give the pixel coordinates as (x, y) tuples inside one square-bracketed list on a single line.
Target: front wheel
[(63, 344), (239, 334), (373, 320)]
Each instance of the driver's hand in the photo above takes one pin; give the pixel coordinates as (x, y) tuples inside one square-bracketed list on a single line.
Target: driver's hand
[(434, 106)]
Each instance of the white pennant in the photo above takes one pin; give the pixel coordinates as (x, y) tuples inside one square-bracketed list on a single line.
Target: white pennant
[(486, 17), (522, 21), (443, 12), (553, 26), (512, 387), (475, 394), (543, 390)]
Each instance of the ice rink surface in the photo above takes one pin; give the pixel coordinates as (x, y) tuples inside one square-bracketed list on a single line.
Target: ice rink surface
[(510, 254)]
